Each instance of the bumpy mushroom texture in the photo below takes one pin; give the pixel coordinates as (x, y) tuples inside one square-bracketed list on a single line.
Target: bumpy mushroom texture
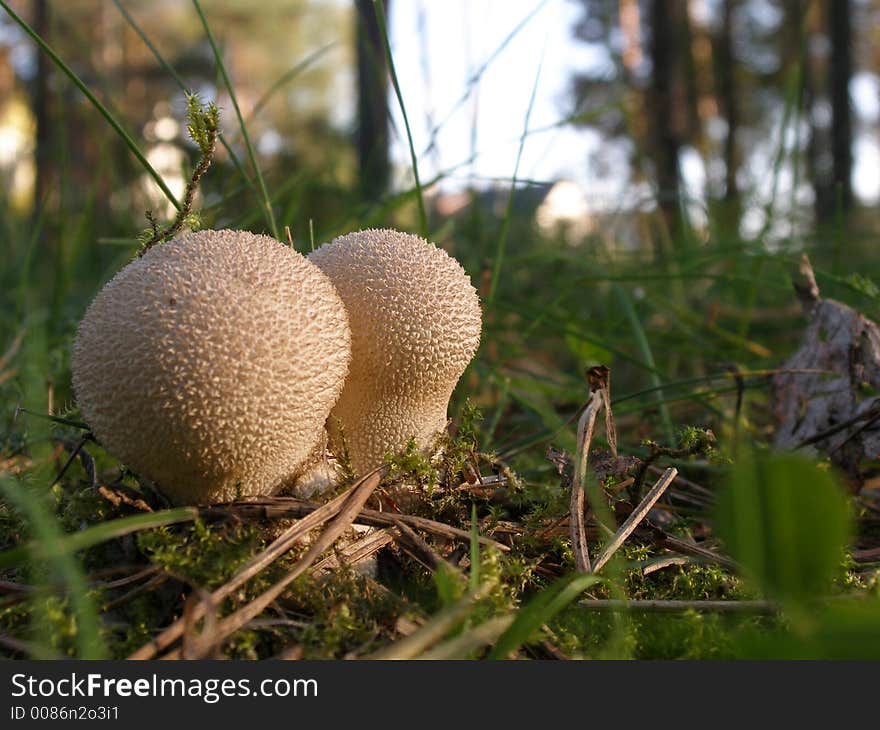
[(210, 364), (415, 322)]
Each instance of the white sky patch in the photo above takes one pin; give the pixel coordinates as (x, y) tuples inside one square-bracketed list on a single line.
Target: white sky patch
[(461, 36), (864, 88), (694, 179), (866, 169)]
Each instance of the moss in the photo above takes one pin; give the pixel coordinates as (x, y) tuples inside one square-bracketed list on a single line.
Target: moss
[(412, 464), (462, 448), (12, 528), (339, 613), (203, 555), (585, 633), (692, 582)]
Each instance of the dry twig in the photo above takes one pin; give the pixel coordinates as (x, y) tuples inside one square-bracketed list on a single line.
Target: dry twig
[(285, 542), (637, 515), (287, 507), (355, 499), (599, 378)]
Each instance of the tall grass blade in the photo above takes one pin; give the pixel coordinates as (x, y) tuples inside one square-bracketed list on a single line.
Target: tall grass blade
[(505, 226), (436, 629), (61, 561), (474, 582), (478, 74), (266, 201), (65, 545), (420, 198), (539, 611), (169, 69), (648, 355)]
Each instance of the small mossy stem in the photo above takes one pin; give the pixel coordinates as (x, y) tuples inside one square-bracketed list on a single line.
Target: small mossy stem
[(203, 127)]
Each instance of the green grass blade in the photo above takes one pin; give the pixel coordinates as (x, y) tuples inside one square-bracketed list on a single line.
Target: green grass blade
[(505, 226), (463, 645), (111, 120), (540, 610), (435, 629), (420, 198), (289, 76), (48, 537), (54, 419), (66, 545), (474, 582), (480, 72), (647, 354), (266, 201), (169, 69)]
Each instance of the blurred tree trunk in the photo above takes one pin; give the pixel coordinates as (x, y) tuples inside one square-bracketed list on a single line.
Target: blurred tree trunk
[(725, 73), (691, 92), (663, 141), (374, 168), (839, 74), (43, 152)]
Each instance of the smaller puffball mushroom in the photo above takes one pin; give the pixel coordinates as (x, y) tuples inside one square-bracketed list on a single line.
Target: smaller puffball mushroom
[(415, 323), (210, 365)]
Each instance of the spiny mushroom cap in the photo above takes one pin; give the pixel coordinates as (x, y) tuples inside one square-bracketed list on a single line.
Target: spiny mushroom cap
[(415, 323), (210, 364)]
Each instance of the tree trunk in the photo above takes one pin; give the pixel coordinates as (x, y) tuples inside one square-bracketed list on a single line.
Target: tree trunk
[(663, 140), (726, 79), (43, 152), (373, 128), (840, 73)]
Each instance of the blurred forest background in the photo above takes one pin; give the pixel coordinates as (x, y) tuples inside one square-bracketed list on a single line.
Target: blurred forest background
[(693, 102)]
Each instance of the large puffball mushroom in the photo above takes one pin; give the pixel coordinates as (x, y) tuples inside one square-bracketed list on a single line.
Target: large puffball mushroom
[(415, 323), (210, 365)]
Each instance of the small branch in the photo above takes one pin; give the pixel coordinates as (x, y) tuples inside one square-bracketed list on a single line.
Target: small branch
[(287, 507), (75, 451), (577, 523), (599, 378), (632, 522), (355, 499), (200, 644), (356, 552), (666, 561), (870, 415), (316, 517), (27, 648), (702, 443), (423, 552), (677, 545)]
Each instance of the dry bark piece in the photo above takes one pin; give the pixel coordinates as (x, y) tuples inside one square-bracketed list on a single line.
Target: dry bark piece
[(835, 409)]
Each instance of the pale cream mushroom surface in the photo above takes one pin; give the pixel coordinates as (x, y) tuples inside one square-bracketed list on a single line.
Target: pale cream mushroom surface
[(210, 365), (415, 322)]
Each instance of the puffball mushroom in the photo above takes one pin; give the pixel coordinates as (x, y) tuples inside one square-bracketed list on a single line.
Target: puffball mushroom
[(210, 365), (415, 323)]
